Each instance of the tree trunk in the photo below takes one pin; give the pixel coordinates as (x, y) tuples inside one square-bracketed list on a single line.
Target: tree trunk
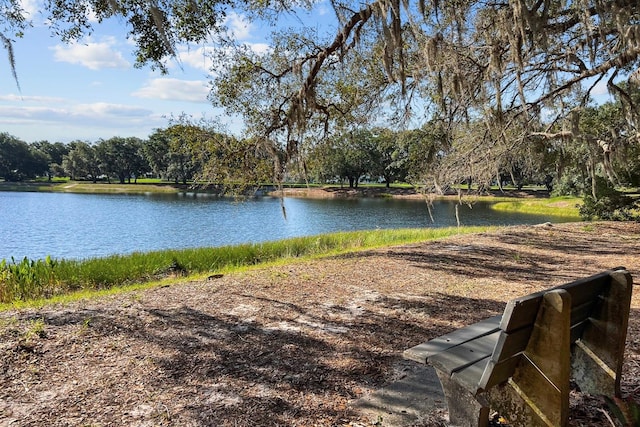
[(591, 170), (513, 179), (606, 163)]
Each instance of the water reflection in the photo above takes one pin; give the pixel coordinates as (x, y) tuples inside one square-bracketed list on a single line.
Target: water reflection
[(83, 225)]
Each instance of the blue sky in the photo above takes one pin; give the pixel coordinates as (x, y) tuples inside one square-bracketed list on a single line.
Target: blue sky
[(90, 90)]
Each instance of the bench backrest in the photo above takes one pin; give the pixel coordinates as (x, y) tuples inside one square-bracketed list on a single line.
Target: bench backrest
[(588, 297)]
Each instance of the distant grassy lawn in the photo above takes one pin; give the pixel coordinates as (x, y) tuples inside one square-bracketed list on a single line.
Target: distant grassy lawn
[(555, 206), (68, 186), (530, 188), (103, 187)]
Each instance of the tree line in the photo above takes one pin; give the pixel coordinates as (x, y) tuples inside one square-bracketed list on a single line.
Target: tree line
[(179, 153), (190, 153)]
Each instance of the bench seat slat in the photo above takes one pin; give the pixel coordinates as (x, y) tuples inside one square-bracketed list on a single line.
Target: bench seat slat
[(503, 361), (466, 354), (421, 352)]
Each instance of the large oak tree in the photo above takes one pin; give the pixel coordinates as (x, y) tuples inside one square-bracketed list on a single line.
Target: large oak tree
[(507, 69)]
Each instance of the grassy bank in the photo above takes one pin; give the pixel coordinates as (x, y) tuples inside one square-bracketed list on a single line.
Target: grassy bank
[(66, 186), (556, 206), (32, 282), (104, 188)]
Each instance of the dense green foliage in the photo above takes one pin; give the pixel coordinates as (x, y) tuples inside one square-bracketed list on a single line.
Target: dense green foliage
[(503, 84), (19, 160), (182, 153), (37, 279), (610, 204)]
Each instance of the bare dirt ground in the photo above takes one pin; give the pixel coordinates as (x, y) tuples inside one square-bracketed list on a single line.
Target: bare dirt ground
[(290, 345)]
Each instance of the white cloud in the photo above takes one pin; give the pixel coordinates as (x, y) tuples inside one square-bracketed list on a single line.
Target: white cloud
[(95, 56), (259, 48), (31, 7), (600, 89), (34, 99), (238, 26), (103, 109), (81, 121), (174, 90), (199, 58), (324, 9), (74, 113)]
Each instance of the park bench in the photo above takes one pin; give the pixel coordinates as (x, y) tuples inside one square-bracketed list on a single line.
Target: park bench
[(520, 363)]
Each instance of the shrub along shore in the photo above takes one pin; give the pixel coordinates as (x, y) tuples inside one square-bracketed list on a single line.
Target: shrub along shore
[(35, 282)]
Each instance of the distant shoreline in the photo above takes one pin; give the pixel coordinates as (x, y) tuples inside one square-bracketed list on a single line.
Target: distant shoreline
[(325, 192), (394, 192)]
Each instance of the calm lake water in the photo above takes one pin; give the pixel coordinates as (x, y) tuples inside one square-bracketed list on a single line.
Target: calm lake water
[(79, 226)]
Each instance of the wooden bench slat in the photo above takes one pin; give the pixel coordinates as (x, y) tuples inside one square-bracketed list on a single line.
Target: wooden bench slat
[(521, 312), (577, 330), (466, 354), (505, 356), (580, 313), (421, 352), (497, 373), (470, 376), (511, 344), (584, 290)]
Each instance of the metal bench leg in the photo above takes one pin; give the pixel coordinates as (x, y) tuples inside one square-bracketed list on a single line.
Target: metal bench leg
[(538, 392), (464, 409), (598, 355)]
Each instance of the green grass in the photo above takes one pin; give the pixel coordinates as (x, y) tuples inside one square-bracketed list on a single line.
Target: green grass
[(555, 206), (67, 186), (34, 282), (113, 188), (28, 186)]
